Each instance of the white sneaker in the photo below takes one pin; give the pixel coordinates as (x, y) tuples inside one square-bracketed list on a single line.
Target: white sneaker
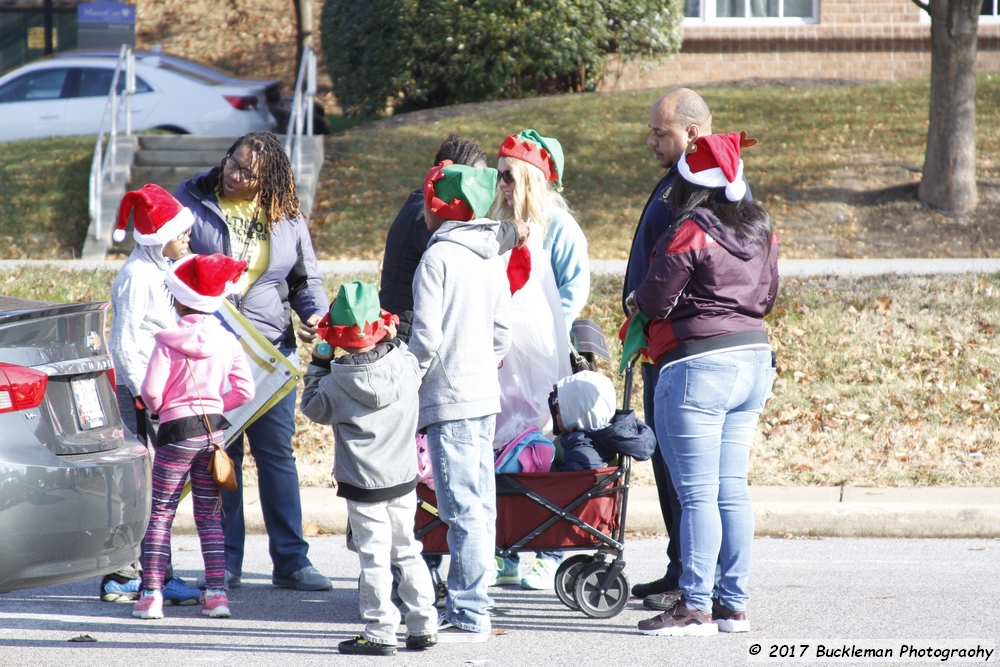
[(452, 634), (507, 572), (542, 575)]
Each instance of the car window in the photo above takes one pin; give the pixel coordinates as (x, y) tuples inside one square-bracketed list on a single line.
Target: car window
[(96, 82), (39, 85), (188, 74)]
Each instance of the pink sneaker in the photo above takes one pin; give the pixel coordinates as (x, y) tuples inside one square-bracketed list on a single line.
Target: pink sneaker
[(216, 604), (150, 605)]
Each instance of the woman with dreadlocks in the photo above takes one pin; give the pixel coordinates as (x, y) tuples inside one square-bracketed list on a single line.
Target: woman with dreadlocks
[(247, 208)]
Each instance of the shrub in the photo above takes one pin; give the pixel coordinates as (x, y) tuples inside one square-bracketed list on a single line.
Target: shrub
[(417, 54)]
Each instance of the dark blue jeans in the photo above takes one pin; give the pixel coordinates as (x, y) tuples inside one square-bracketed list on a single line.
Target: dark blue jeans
[(670, 505), (278, 483)]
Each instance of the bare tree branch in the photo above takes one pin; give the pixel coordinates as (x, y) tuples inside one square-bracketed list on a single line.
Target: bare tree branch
[(923, 5)]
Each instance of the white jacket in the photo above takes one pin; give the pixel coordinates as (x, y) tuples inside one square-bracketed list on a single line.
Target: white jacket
[(142, 308)]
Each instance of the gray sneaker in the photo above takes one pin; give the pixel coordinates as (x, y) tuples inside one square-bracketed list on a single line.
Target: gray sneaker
[(232, 580), (306, 579)]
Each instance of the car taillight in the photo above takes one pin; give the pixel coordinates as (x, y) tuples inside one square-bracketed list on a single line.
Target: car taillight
[(243, 102), (21, 388)]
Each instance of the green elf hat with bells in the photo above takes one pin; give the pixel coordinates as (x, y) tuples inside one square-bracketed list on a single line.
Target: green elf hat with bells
[(355, 319), (545, 153), (457, 192)]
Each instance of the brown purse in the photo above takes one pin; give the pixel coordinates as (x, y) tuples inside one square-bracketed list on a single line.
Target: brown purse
[(220, 465)]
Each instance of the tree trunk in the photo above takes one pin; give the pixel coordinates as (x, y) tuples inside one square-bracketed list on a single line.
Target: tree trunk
[(304, 22), (949, 177)]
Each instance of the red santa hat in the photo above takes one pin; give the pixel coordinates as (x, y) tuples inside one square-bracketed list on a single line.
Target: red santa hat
[(714, 162), (202, 282), (158, 217)]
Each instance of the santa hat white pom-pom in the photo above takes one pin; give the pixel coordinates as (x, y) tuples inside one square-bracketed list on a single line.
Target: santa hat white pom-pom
[(119, 235), (736, 190)]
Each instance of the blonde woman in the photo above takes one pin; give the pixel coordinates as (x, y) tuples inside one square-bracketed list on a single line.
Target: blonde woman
[(544, 303), (531, 172)]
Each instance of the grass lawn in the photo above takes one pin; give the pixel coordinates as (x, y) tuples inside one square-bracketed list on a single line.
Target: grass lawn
[(807, 135), (887, 381), (43, 197)]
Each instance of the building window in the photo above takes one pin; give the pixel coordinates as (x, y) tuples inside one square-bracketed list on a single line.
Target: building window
[(988, 12), (737, 11)]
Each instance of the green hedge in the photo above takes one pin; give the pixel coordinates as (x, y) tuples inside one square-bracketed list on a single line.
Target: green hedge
[(429, 53)]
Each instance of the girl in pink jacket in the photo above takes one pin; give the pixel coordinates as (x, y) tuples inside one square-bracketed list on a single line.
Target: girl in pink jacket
[(189, 369)]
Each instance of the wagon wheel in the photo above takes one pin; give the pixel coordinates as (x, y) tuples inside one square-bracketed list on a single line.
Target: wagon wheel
[(598, 602), (565, 580)]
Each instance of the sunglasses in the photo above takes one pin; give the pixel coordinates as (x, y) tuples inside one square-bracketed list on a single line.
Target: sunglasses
[(507, 176)]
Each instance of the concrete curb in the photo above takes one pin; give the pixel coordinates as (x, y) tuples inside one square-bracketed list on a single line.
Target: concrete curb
[(778, 511)]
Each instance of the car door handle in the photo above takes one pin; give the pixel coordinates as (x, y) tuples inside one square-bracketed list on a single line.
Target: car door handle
[(49, 116)]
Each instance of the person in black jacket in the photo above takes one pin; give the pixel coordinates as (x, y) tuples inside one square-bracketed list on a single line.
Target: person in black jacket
[(676, 120), (408, 237)]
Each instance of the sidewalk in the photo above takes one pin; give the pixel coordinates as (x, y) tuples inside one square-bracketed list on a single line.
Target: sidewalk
[(779, 511), (786, 267)]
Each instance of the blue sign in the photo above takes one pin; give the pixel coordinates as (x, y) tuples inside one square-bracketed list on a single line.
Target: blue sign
[(105, 11)]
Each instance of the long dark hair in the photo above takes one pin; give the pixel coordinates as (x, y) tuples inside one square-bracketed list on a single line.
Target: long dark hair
[(747, 217), (274, 173)]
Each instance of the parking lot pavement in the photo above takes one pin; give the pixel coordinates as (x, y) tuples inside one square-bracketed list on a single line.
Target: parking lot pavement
[(829, 589)]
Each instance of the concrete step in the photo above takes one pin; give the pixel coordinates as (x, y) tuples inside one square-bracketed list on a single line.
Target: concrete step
[(218, 145), (147, 157), (167, 178)]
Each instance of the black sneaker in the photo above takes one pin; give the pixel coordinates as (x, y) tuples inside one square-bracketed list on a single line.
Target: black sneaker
[(662, 601), (420, 642), (652, 588), (361, 646)]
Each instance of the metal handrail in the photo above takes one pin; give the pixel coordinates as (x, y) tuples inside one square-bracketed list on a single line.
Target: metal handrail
[(104, 161), (301, 116)]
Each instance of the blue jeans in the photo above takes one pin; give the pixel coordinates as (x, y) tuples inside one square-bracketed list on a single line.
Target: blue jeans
[(462, 459), (278, 483), (706, 415)]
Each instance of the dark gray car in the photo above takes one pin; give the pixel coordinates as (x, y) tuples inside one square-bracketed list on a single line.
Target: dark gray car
[(74, 483)]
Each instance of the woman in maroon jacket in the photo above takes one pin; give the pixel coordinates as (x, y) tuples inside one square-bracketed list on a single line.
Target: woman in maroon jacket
[(713, 277)]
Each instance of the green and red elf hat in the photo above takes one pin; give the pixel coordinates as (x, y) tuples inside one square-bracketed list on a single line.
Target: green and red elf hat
[(457, 192), (545, 153), (355, 319)]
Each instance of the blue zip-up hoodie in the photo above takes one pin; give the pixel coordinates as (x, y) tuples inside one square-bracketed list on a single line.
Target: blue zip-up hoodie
[(292, 278)]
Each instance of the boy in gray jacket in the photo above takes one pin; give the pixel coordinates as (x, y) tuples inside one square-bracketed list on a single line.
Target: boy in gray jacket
[(460, 333), (369, 396)]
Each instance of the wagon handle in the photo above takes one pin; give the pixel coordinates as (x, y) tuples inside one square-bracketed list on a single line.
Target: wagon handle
[(629, 372)]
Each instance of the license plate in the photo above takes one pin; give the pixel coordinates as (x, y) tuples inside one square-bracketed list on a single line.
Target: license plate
[(88, 404)]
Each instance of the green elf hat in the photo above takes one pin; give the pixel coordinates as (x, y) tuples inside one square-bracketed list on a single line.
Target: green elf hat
[(632, 334), (457, 192), (545, 153), (355, 319)]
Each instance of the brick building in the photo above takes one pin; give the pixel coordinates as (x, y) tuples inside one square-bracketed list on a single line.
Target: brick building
[(877, 40)]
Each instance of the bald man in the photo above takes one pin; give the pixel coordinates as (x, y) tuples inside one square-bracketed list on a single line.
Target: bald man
[(675, 121)]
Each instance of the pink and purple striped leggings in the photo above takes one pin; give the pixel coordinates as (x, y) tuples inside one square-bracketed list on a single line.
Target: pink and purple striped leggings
[(171, 465)]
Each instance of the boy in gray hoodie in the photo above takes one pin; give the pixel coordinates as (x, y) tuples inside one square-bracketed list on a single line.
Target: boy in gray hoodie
[(369, 396), (460, 334)]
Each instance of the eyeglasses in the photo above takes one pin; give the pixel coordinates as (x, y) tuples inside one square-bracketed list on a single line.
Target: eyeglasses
[(234, 167), (507, 176)]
